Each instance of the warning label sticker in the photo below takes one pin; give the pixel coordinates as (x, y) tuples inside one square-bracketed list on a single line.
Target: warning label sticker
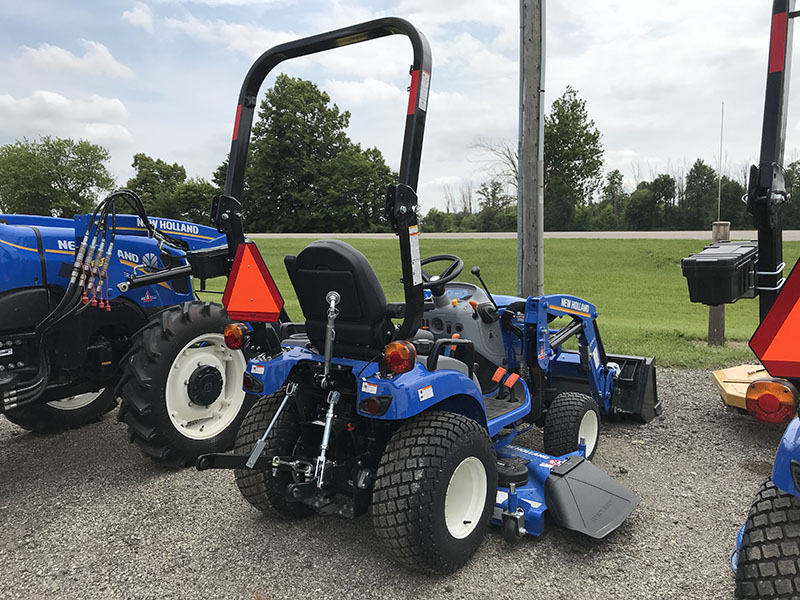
[(257, 369), (369, 388), (416, 267), (425, 393), (424, 84)]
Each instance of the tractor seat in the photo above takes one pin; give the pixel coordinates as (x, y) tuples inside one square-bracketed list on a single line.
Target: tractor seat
[(362, 326)]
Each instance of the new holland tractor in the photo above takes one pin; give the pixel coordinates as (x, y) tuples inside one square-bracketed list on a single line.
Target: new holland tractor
[(102, 306), (415, 422)]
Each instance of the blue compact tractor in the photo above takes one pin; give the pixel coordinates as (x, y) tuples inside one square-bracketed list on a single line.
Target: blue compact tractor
[(410, 410), (102, 306)]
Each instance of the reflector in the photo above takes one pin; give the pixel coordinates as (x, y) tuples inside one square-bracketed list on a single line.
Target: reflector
[(775, 342), (251, 294), (771, 400), (400, 356)]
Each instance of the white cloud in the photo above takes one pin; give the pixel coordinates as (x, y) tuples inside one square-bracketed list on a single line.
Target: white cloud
[(246, 38), (140, 16), (95, 60), (97, 118)]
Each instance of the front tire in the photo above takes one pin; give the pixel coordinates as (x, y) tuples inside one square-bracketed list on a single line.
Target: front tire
[(570, 417), (260, 488), (181, 387), (68, 413), (435, 491), (769, 557)]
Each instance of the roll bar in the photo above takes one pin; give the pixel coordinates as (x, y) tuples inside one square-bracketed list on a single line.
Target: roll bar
[(401, 199)]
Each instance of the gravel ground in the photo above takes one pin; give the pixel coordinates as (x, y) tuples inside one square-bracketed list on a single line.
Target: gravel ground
[(83, 515)]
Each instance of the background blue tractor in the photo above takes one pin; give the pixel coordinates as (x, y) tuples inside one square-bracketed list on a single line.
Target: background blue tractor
[(414, 421), (102, 306)]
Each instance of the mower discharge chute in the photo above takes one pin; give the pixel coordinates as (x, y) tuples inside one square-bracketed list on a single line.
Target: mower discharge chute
[(415, 422)]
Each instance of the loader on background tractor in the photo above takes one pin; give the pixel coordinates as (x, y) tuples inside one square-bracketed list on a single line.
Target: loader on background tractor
[(102, 306), (415, 422)]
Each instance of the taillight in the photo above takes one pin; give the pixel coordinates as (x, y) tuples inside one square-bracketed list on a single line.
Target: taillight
[(400, 356), (771, 400), (251, 384), (234, 335), (375, 405)]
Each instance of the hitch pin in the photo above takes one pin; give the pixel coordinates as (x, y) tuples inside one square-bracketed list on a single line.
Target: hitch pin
[(291, 391)]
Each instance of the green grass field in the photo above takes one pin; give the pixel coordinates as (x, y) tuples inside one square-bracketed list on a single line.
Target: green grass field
[(641, 296)]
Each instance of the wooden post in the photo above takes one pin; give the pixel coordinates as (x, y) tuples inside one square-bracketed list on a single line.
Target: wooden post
[(720, 232), (530, 195)]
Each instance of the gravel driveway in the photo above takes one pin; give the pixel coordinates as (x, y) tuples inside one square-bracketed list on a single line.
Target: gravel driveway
[(83, 515)]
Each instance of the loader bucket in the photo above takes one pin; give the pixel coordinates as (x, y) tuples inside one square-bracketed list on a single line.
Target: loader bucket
[(635, 392)]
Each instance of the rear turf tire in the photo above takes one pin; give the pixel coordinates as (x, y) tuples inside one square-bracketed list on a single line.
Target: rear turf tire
[(156, 406), (260, 488), (435, 491), (769, 558), (569, 417), (69, 413)]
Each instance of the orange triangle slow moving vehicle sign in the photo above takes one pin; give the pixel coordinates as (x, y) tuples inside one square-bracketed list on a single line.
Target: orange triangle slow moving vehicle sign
[(251, 294), (776, 342)]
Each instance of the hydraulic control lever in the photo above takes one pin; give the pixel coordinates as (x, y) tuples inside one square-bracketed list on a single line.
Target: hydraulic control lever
[(477, 272)]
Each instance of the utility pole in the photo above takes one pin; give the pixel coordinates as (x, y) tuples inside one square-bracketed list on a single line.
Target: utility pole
[(530, 188)]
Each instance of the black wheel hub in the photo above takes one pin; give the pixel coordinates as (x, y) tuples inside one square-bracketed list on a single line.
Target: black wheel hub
[(205, 385)]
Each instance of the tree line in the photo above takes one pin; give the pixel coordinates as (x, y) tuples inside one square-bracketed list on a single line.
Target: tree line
[(304, 173)]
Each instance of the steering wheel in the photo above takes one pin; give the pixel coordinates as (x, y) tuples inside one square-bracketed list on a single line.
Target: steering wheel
[(451, 271)]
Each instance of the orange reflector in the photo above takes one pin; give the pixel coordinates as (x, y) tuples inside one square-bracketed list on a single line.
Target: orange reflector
[(234, 335), (511, 380), (771, 400), (400, 356), (498, 374), (251, 294)]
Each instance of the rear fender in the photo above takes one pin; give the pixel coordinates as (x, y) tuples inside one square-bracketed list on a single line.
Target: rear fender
[(420, 390), (463, 405), (786, 470)]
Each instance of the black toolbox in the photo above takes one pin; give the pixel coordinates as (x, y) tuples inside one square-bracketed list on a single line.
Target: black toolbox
[(722, 273)]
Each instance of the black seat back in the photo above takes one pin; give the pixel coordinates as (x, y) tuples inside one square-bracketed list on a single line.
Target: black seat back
[(362, 328)]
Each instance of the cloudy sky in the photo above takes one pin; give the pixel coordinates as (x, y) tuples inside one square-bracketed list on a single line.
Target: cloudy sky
[(162, 77)]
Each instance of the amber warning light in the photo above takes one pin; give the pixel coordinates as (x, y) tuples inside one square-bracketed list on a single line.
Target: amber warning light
[(251, 293)]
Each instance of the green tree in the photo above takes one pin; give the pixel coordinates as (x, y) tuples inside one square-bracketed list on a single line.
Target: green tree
[(664, 190), (436, 220), (155, 182), (191, 201), (573, 159), (610, 213), (642, 212), (791, 211), (52, 176), (731, 206), (498, 211), (699, 206), (304, 173)]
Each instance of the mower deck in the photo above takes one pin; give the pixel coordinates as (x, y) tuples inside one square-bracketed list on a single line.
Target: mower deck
[(579, 496), (733, 382)]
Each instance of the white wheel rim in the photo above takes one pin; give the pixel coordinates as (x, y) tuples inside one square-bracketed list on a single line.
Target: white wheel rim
[(75, 402), (465, 498), (196, 421), (589, 430)]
